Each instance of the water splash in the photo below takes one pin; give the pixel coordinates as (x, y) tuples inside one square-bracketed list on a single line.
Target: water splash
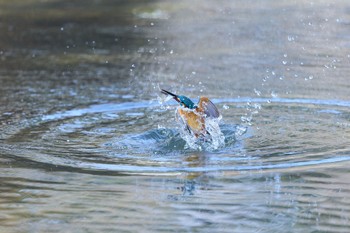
[(214, 140)]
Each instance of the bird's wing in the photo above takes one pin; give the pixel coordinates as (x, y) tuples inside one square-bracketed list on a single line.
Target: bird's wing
[(208, 108)]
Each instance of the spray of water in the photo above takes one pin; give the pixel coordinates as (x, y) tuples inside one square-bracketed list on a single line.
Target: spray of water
[(212, 140)]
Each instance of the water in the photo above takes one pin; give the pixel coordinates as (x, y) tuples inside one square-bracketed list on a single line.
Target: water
[(86, 146)]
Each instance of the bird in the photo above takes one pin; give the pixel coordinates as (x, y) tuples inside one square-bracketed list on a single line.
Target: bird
[(195, 115)]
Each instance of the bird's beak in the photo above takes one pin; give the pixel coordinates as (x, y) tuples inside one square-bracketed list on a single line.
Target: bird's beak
[(169, 93)]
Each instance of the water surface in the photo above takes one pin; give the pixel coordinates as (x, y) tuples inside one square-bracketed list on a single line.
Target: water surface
[(87, 143)]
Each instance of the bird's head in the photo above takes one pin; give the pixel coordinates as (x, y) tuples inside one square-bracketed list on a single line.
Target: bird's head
[(183, 100)]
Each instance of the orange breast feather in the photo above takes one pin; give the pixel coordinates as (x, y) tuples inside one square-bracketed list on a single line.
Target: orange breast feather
[(194, 119)]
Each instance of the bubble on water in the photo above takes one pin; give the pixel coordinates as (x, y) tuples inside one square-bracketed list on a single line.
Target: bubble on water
[(225, 107)]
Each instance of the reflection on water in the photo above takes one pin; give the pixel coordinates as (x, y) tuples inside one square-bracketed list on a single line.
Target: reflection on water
[(86, 147)]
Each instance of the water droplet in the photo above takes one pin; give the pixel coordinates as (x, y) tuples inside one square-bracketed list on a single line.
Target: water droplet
[(258, 93), (246, 119), (290, 38), (257, 106), (62, 29), (171, 51), (240, 130), (284, 62), (273, 94), (225, 107), (285, 55)]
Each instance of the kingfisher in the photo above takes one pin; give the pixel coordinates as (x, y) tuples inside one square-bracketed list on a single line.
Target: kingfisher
[(195, 115)]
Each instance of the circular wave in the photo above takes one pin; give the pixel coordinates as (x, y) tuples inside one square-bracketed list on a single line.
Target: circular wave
[(141, 137)]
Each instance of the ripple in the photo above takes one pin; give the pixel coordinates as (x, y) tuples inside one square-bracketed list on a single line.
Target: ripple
[(120, 107), (127, 138)]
